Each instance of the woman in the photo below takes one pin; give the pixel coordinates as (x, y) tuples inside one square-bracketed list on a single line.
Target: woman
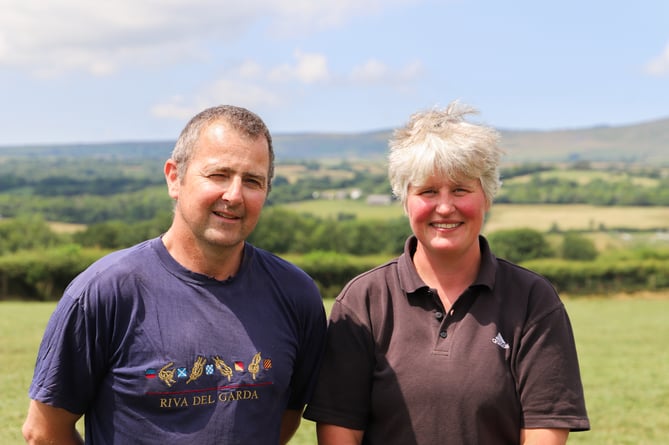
[(448, 344)]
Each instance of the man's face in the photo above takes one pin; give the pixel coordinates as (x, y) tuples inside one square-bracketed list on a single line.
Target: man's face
[(221, 195)]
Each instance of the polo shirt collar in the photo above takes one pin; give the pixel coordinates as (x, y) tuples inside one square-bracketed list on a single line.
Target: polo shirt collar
[(411, 282)]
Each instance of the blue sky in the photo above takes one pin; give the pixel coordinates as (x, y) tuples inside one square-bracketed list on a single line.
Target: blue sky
[(75, 71)]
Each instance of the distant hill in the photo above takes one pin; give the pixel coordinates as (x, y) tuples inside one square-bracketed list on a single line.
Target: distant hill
[(640, 143), (646, 143)]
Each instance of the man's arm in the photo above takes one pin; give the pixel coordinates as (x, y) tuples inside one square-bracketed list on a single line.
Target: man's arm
[(48, 425), (289, 424), (553, 436), (337, 435)]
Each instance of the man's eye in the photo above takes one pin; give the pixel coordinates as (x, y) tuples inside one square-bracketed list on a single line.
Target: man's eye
[(254, 182)]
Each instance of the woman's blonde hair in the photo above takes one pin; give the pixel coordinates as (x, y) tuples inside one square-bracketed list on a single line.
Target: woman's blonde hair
[(440, 142)]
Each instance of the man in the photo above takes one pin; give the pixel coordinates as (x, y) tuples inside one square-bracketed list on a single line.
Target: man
[(195, 336)]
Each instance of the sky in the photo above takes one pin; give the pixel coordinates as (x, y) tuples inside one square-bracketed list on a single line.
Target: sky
[(81, 71)]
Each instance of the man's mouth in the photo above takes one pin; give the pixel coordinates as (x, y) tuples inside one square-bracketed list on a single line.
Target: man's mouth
[(226, 215)]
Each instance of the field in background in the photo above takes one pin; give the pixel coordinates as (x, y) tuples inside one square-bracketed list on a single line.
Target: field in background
[(576, 217), (621, 343), (608, 226), (61, 227), (504, 216), (331, 208)]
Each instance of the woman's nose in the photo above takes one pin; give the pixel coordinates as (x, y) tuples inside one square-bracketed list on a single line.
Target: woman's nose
[(445, 204)]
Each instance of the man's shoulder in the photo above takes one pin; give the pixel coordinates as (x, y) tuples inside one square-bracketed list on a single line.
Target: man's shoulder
[(273, 261), (125, 259), (115, 266), (295, 283)]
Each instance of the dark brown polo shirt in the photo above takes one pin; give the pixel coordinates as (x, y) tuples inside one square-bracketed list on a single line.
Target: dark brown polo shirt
[(400, 368)]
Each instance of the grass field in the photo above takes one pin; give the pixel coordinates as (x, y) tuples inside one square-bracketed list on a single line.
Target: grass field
[(575, 217), (583, 177), (504, 216), (621, 343)]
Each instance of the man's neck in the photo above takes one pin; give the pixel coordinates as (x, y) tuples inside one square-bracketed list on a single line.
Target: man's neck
[(214, 261)]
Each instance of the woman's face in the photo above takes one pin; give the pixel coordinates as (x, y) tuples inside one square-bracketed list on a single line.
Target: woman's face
[(446, 216)]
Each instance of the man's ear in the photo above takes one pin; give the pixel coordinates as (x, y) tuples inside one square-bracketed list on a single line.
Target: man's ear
[(172, 178)]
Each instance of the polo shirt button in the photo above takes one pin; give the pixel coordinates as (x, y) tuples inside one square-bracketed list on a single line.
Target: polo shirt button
[(438, 315), (443, 334)]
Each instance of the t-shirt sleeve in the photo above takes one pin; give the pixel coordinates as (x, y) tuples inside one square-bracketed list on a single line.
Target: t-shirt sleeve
[(549, 382), (343, 392), (67, 366)]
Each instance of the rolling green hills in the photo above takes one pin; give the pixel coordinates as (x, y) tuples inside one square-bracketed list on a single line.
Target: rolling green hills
[(643, 143)]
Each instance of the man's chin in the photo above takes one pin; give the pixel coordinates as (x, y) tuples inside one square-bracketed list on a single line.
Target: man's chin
[(223, 240)]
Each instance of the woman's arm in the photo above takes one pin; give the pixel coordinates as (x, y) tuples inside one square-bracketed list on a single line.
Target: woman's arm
[(541, 436), (337, 435)]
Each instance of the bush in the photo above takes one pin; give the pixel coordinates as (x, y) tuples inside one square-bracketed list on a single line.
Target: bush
[(43, 274), (26, 232), (518, 245), (603, 276), (331, 270), (577, 247)]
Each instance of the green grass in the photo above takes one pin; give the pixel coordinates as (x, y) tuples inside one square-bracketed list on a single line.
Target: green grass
[(21, 328), (621, 343), (584, 177), (331, 208), (625, 363)]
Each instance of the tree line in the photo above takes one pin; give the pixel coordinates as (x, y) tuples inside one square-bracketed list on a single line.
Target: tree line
[(286, 232), (37, 264), (123, 203), (87, 191)]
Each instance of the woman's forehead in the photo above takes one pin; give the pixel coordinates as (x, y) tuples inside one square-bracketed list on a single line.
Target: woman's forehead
[(443, 178)]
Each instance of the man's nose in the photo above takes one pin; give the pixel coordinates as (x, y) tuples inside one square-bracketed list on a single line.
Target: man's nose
[(233, 190)]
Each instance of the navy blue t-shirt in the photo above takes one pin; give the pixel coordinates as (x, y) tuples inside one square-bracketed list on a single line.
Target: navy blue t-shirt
[(150, 352)]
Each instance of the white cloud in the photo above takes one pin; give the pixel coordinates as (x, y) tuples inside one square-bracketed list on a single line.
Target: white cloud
[(296, 16), (48, 38), (174, 108), (99, 38), (412, 71), (255, 86), (659, 66), (249, 69), (373, 71), (248, 84), (309, 68), (222, 91)]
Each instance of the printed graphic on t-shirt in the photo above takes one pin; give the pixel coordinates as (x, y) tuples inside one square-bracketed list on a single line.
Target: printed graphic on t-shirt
[(210, 380)]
